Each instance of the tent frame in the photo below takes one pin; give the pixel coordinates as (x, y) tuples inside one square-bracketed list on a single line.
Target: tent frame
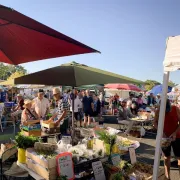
[(160, 126)]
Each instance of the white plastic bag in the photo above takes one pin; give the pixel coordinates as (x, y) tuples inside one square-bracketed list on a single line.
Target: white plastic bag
[(142, 131)]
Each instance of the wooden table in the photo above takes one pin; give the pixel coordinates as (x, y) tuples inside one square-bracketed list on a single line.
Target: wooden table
[(31, 173)]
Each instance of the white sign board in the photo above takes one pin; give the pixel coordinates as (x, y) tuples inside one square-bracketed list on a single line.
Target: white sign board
[(65, 165), (132, 155), (98, 170)]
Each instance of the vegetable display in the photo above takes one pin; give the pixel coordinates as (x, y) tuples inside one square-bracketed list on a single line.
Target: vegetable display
[(25, 142)]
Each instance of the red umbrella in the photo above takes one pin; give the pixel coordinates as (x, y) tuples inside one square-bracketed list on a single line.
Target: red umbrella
[(23, 39), (130, 87)]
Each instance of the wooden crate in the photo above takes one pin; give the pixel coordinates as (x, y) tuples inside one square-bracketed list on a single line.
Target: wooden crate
[(8, 153), (48, 163), (50, 125), (48, 174), (32, 133)]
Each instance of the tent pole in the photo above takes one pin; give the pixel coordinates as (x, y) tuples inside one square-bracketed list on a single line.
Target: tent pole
[(160, 125), (73, 92)]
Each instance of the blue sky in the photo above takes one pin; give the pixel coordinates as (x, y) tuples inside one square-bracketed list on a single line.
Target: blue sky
[(131, 34)]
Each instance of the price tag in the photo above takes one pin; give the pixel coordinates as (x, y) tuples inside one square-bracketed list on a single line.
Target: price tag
[(66, 139), (132, 155), (115, 159), (98, 170), (65, 165)]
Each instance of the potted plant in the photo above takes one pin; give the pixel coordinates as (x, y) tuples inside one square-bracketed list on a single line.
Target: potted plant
[(24, 142), (109, 142)]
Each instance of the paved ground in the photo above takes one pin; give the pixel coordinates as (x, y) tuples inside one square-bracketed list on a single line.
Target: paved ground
[(144, 153)]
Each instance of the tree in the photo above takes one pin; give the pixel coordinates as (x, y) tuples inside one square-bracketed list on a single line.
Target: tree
[(7, 70), (150, 84), (16, 75), (171, 83)]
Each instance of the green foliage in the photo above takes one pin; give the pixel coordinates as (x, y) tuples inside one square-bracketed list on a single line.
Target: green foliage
[(171, 83), (16, 75), (107, 138), (150, 84), (25, 142), (7, 70), (118, 176)]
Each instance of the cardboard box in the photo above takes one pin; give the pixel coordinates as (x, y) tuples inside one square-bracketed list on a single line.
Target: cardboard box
[(50, 125), (48, 174), (49, 163), (32, 133)]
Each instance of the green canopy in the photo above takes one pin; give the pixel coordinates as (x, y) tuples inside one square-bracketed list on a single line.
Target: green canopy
[(75, 75), (8, 83)]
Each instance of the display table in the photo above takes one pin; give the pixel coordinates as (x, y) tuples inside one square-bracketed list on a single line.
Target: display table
[(31, 173), (43, 134)]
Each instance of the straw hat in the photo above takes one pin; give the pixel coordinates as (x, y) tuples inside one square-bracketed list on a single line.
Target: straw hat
[(19, 95), (56, 91), (27, 101)]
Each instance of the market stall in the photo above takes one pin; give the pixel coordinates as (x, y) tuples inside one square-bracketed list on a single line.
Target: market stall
[(171, 63), (100, 153)]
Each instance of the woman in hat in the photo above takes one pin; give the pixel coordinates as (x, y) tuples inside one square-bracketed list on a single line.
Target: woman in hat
[(27, 113), (16, 112)]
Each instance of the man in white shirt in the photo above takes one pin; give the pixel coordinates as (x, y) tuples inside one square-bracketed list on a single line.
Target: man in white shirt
[(41, 105)]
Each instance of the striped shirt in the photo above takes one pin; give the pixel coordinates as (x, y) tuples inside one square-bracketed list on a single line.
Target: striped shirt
[(62, 106)]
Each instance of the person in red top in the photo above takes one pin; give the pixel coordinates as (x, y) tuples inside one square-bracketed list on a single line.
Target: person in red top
[(172, 131)]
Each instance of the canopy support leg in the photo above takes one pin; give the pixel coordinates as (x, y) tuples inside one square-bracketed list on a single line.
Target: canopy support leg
[(160, 125)]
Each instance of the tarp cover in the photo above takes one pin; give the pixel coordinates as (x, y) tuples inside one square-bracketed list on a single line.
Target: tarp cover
[(172, 55)]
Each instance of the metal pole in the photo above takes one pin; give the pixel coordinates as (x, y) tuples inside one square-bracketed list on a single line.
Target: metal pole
[(73, 92), (160, 125)]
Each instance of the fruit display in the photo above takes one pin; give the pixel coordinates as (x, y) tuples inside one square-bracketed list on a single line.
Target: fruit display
[(135, 119), (124, 143), (125, 166)]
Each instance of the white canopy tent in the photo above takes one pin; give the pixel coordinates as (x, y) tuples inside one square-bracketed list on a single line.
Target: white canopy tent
[(171, 63)]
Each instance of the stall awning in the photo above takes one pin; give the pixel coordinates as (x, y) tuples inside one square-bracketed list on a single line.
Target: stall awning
[(172, 55), (25, 40), (74, 74)]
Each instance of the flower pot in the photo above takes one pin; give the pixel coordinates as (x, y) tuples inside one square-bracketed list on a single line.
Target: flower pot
[(21, 155)]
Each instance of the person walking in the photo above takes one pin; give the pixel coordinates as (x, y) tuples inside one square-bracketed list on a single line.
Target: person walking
[(172, 132)]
